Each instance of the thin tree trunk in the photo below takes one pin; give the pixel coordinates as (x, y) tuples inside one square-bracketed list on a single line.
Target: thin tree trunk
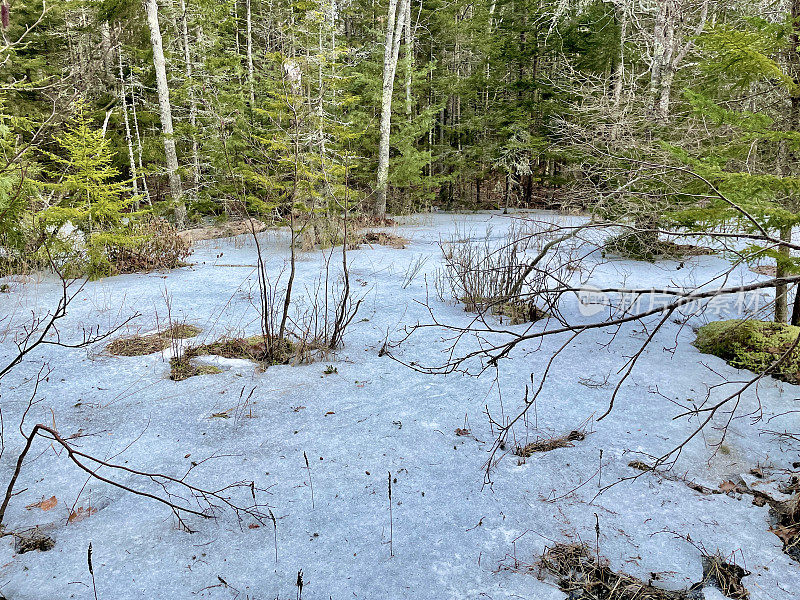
[(391, 53), (781, 291), (139, 143), (159, 63), (187, 56), (128, 137), (250, 69), (409, 54)]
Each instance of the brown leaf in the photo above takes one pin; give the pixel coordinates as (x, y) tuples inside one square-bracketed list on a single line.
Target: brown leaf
[(44, 504), (253, 526), (462, 432), (80, 514), (728, 486)]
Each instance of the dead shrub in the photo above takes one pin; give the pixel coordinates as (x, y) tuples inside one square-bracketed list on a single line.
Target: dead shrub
[(518, 276), (151, 245), (548, 444)]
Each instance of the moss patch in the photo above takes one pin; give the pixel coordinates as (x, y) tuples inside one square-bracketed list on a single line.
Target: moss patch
[(142, 345), (255, 348), (752, 345), (181, 368), (264, 352)]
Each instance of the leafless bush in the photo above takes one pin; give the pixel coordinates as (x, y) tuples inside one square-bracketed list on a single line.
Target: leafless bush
[(296, 329), (522, 275)]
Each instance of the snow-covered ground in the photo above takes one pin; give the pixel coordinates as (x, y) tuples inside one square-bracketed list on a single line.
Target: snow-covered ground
[(452, 536)]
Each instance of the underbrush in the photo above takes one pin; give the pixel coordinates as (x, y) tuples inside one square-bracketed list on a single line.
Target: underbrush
[(753, 345), (137, 247), (143, 247), (637, 246), (516, 277)]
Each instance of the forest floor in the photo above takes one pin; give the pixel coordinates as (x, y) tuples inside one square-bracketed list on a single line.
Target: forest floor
[(451, 535)]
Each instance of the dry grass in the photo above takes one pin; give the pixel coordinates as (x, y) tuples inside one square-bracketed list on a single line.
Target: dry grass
[(142, 345), (182, 367), (33, 539), (725, 576), (254, 348), (382, 238), (583, 575), (548, 444)]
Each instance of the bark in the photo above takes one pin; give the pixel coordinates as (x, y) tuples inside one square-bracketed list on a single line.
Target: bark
[(187, 57), (128, 137), (409, 54), (250, 69), (781, 290), (165, 108), (668, 53), (391, 53), (139, 143)]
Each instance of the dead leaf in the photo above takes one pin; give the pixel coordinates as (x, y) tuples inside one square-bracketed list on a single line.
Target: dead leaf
[(330, 412), (80, 514), (462, 432), (253, 526), (44, 504), (728, 486)]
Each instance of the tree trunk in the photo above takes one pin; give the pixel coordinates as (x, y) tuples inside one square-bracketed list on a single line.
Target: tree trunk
[(160, 65), (391, 53), (250, 69), (409, 54), (187, 56), (781, 291), (128, 138)]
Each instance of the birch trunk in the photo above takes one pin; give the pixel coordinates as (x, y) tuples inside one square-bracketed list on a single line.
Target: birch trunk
[(187, 57), (391, 53), (159, 63), (409, 49), (128, 137), (250, 69)]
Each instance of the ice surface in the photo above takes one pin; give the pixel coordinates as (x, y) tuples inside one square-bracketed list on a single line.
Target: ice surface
[(453, 537)]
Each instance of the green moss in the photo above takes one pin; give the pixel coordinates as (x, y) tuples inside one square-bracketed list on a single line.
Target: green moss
[(182, 368), (752, 345)]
